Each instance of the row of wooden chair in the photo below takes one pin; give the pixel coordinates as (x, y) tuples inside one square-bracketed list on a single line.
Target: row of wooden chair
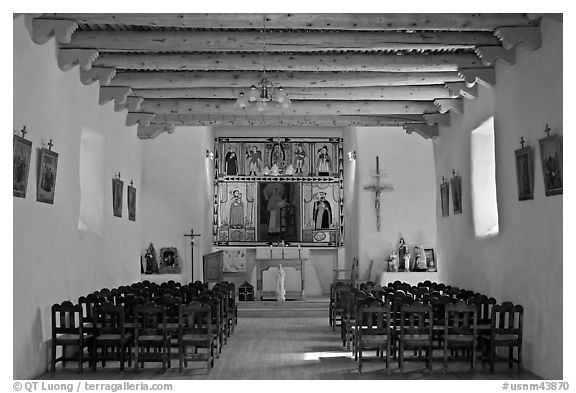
[(447, 316), (151, 321)]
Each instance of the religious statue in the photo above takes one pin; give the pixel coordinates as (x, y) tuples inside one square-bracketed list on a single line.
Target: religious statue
[(280, 291), (275, 203), (299, 156), (323, 164), (322, 212), (277, 157), (401, 252), (392, 262), (236, 210), (407, 265), (254, 160), (231, 162), (151, 263)]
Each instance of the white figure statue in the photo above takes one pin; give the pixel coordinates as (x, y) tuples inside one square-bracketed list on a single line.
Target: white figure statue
[(280, 291)]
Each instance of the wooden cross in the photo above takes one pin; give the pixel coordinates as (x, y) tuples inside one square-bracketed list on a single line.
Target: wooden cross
[(24, 132), (192, 235), (522, 142), (50, 144), (377, 188), (547, 130)]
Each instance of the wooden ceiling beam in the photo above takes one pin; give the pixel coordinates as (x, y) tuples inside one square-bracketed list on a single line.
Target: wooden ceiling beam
[(242, 41), (257, 62), (274, 120), (103, 75), (412, 93), (370, 21), (529, 37), (195, 79), (153, 130), (299, 108)]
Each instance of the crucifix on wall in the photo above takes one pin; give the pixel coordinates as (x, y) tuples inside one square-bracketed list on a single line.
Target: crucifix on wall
[(192, 235), (377, 188)]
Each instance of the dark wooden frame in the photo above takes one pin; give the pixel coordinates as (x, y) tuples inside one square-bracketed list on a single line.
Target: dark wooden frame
[(212, 265), (456, 185), (131, 200), (525, 173), (47, 162), (551, 167), (429, 253), (445, 198), (117, 192), (22, 152)]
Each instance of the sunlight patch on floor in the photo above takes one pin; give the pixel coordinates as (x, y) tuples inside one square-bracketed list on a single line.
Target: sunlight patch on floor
[(319, 355)]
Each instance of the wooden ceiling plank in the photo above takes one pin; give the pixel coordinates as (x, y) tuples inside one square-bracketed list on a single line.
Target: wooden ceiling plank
[(196, 79), (414, 93), (203, 41), (166, 106), (369, 21), (257, 62)]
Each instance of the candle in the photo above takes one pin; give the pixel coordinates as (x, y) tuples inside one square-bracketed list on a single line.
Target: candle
[(377, 165), (298, 247)]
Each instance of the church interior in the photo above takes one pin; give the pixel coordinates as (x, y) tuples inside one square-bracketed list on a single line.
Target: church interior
[(269, 161)]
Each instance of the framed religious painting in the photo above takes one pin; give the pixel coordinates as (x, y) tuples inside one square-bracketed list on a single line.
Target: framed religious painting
[(444, 197), (21, 165), (278, 211), (117, 192), (525, 173), (131, 203), (551, 156), (47, 167), (456, 185)]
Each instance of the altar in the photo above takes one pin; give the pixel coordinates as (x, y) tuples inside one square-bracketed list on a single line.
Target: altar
[(263, 264)]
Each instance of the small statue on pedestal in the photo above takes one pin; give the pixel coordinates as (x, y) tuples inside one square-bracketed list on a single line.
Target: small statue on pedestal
[(280, 291), (401, 252), (392, 261), (151, 263)]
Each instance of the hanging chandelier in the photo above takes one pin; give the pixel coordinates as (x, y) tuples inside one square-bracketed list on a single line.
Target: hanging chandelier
[(263, 94)]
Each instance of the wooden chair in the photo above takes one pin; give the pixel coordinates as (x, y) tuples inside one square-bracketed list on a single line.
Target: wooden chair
[(218, 318), (339, 303), (415, 331), (110, 332), (460, 321), (88, 303), (195, 325), (505, 331), (151, 340), (374, 330), (68, 331)]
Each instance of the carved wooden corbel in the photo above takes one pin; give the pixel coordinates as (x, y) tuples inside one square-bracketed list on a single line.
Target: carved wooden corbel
[(132, 104), (456, 89), (442, 119), (141, 118), (44, 29), (153, 130), (489, 54), (68, 58), (446, 104), (484, 76), (117, 93), (425, 131), (529, 37), (102, 74)]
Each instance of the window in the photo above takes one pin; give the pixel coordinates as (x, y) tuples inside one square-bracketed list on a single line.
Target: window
[(484, 201), (92, 168)]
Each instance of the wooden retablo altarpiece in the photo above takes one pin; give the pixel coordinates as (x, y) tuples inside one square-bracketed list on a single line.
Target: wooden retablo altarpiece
[(273, 189)]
